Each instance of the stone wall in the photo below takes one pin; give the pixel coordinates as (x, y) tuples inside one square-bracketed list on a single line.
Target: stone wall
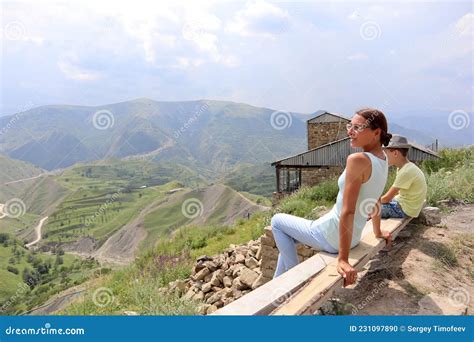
[(220, 279), (315, 175), (270, 254), (325, 132)]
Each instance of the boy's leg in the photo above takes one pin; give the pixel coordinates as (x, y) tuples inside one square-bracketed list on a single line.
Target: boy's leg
[(392, 209)]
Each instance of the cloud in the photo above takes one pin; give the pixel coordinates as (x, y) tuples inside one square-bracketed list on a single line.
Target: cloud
[(75, 72), (464, 26), (358, 57), (260, 18)]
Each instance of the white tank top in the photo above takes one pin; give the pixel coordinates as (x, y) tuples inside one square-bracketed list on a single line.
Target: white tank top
[(369, 194)]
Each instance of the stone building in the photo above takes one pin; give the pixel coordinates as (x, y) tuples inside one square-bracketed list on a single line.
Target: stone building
[(328, 149)]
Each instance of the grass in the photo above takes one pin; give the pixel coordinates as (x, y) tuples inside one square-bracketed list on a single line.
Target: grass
[(73, 270), (137, 287), (100, 202)]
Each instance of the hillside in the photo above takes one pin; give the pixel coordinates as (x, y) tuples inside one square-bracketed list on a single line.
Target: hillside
[(205, 135), (451, 179)]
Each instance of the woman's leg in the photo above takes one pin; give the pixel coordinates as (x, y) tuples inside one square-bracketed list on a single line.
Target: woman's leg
[(287, 230)]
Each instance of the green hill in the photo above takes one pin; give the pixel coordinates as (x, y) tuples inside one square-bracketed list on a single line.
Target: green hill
[(204, 135)]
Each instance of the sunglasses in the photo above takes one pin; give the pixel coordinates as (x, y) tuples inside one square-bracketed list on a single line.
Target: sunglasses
[(356, 127)]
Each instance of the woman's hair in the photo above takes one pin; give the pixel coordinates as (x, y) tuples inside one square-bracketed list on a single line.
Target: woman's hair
[(376, 119)]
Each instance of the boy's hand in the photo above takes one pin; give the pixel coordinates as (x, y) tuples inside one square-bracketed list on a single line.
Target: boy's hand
[(387, 236)]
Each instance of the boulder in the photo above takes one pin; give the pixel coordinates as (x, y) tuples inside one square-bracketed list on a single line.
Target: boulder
[(202, 274), (251, 262), (227, 281), (430, 216), (248, 277)]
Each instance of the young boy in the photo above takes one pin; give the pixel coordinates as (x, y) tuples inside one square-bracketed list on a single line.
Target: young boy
[(408, 192)]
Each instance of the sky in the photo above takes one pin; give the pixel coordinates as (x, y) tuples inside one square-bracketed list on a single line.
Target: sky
[(292, 56)]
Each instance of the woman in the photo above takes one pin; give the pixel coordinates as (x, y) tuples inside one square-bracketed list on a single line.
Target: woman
[(360, 187)]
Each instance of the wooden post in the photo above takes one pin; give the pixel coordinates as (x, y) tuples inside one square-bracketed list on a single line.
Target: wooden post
[(277, 170)]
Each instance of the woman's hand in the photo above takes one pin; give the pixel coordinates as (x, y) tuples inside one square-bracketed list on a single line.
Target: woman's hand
[(348, 272)]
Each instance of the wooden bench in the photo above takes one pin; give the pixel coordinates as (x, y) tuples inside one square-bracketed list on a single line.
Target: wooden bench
[(304, 288)]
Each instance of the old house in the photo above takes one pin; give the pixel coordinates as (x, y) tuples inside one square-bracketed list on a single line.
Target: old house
[(328, 149)]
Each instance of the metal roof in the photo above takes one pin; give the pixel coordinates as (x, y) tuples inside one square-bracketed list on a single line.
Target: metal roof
[(327, 117), (335, 154)]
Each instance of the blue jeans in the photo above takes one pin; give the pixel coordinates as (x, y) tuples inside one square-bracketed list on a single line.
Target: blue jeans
[(289, 229), (392, 209)]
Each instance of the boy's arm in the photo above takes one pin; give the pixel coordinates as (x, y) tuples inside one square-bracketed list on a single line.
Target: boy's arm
[(376, 218), (391, 193)]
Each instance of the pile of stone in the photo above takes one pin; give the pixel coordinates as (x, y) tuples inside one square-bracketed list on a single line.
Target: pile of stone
[(218, 280)]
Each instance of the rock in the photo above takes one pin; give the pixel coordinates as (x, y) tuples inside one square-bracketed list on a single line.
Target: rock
[(189, 295), (255, 247), (228, 300), (199, 296), (203, 258), (227, 281), (207, 278), (236, 293), (211, 265), (130, 313), (214, 298), (434, 304), (251, 262), (237, 284), (239, 259), (202, 274), (216, 279), (203, 308), (268, 241), (206, 287), (430, 216), (258, 254), (258, 282), (237, 269), (199, 266), (211, 309), (248, 277), (226, 293)]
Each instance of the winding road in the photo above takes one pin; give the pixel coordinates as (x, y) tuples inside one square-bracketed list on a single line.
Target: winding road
[(38, 232)]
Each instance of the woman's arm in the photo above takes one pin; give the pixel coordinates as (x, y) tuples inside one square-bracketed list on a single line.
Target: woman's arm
[(357, 167)]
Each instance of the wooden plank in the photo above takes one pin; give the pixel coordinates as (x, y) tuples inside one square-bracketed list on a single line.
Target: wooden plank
[(266, 298), (320, 287)]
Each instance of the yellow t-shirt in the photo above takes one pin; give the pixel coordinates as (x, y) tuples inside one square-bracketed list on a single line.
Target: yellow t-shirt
[(412, 184)]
